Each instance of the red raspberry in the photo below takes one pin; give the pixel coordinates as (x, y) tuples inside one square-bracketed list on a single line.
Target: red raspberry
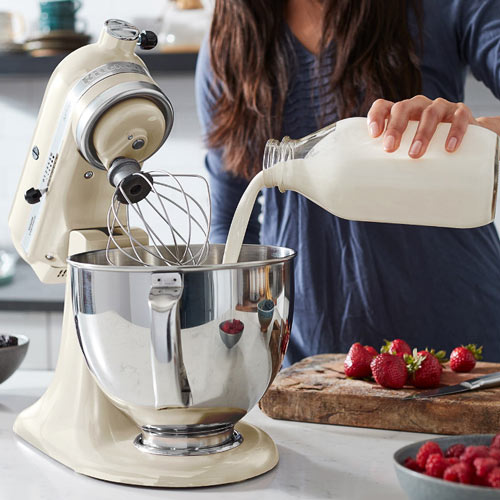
[(435, 465), (459, 473), (232, 326), (494, 478), (455, 450), (425, 450), (495, 453), (479, 481), (452, 460), (484, 465), (411, 463), (496, 442), (472, 452)]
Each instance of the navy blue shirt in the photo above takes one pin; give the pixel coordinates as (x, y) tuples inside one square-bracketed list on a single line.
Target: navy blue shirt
[(358, 281)]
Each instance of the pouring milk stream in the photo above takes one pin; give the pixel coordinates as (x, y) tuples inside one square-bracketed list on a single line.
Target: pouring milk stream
[(347, 172)]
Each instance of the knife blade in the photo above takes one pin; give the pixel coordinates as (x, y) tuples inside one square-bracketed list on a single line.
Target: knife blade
[(490, 380)]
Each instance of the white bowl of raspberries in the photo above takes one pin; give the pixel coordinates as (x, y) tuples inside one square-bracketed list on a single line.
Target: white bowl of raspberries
[(451, 468)]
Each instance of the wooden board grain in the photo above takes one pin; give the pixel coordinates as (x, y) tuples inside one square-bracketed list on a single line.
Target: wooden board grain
[(316, 390)]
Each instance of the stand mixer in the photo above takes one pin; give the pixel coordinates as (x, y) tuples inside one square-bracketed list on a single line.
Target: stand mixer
[(147, 390)]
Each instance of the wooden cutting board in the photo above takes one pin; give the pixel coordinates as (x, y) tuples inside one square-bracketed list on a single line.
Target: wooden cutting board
[(316, 390)]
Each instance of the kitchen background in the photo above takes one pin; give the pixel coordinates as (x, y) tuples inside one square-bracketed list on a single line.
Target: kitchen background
[(21, 92)]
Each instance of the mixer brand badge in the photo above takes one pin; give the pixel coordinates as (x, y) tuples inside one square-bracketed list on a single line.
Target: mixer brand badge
[(111, 68)]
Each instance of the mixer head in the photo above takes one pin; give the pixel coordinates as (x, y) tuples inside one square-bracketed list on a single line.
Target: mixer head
[(101, 104), (159, 203)]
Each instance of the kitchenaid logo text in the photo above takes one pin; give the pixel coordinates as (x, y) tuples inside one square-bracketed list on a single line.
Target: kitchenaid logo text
[(112, 68)]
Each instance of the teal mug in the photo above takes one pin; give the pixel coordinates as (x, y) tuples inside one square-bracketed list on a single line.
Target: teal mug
[(58, 15)]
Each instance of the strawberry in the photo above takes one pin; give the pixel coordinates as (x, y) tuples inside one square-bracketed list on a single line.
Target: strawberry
[(427, 449), (439, 355), (455, 450), (396, 346), (371, 350), (459, 473), (424, 369), (494, 478), (484, 465), (389, 370), (357, 362), (435, 465), (463, 359)]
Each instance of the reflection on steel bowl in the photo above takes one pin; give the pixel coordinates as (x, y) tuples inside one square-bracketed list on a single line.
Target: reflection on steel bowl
[(230, 332), (265, 312), (151, 338)]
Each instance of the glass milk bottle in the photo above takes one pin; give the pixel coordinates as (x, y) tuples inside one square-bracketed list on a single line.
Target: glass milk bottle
[(347, 172)]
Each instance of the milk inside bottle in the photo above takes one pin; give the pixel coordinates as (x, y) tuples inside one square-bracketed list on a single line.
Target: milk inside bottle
[(347, 172)]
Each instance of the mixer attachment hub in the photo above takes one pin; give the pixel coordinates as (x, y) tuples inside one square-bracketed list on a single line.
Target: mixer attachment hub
[(131, 188), (188, 440)]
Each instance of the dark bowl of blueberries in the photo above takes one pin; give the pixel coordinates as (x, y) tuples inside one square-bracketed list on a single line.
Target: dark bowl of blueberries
[(12, 352), (265, 311)]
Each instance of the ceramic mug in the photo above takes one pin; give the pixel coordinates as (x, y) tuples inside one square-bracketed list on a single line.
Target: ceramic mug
[(12, 27), (56, 15)]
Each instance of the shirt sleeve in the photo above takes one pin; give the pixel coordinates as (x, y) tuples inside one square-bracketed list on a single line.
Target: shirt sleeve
[(225, 188), (479, 39)]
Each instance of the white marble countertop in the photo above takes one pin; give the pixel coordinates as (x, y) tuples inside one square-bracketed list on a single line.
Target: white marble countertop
[(316, 461)]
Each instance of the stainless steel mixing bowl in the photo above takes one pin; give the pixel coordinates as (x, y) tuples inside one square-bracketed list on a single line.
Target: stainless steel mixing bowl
[(151, 338)]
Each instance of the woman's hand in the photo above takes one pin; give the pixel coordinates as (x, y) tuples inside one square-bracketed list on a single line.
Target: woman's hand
[(429, 113)]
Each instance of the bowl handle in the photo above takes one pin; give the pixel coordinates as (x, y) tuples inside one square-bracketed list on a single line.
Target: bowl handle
[(170, 382)]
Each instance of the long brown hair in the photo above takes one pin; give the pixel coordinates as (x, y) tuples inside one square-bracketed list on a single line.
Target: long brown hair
[(374, 56)]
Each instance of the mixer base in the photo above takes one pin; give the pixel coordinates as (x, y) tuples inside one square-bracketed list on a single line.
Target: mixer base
[(121, 462)]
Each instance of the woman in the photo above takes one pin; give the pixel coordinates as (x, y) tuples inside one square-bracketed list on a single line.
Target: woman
[(279, 68)]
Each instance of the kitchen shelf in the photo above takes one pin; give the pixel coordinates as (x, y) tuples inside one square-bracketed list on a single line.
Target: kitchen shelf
[(158, 63)]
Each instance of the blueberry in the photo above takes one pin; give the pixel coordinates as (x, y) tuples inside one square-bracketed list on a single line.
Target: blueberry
[(8, 340), (267, 305)]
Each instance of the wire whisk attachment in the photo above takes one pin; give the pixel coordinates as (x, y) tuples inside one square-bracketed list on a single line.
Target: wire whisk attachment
[(175, 220)]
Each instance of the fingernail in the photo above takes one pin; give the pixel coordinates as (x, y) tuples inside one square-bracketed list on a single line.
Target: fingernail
[(452, 144), (389, 142), (374, 130), (415, 148)]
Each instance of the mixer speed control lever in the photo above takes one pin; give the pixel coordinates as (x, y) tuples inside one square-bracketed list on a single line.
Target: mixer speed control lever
[(33, 195)]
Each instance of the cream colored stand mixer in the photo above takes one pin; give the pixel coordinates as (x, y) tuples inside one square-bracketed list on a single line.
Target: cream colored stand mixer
[(149, 386)]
